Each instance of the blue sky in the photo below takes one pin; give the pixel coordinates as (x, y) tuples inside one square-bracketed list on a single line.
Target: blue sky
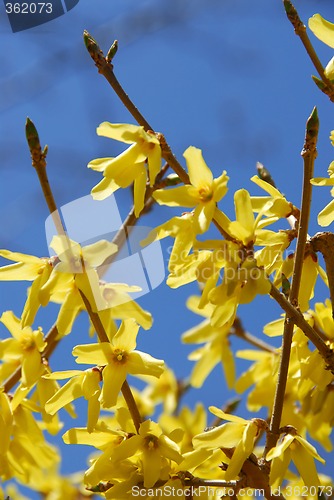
[(228, 77)]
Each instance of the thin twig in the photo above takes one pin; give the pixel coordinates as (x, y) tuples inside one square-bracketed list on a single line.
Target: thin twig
[(300, 30), (106, 69), (39, 162), (309, 153), (299, 320), (38, 158), (239, 331), (131, 220)]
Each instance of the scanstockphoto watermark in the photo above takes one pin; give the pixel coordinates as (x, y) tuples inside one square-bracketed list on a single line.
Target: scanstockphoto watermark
[(135, 269), (169, 491), (24, 15), (229, 266)]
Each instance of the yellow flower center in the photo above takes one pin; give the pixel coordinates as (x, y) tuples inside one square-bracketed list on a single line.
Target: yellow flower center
[(205, 193), (77, 264), (120, 356), (27, 340), (109, 294), (151, 442)]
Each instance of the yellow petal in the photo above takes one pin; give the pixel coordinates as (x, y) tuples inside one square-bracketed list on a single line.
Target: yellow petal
[(322, 181), (329, 70), (130, 309), (32, 303), (307, 283), (154, 163), (310, 449), (274, 328), (199, 172), (62, 375), (32, 368), (203, 216), (326, 216), (227, 436), (21, 257), (275, 193), (69, 310), (227, 416), (93, 412), (98, 354), (65, 395), (305, 465), (322, 29), (113, 378), (243, 211), (80, 436), (19, 271), (281, 447), (126, 167), (125, 338), (99, 164), (208, 360), (123, 132), (90, 383), (143, 363), (220, 186), (104, 188), (12, 323), (139, 190), (242, 451), (182, 196), (98, 252), (151, 460)]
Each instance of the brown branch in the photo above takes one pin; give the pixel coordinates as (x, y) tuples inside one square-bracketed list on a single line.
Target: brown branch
[(309, 153), (38, 158), (39, 162), (103, 337), (106, 69), (131, 220), (299, 320), (239, 331)]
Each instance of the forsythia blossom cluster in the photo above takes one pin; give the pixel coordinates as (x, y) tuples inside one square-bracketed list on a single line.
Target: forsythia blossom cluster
[(139, 445)]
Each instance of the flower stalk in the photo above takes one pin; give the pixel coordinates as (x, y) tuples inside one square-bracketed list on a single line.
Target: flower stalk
[(309, 154)]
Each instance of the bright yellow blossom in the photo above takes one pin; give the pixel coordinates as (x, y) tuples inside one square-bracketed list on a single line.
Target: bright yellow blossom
[(293, 447), (238, 433), (203, 193), (118, 358), (188, 422), (26, 448), (105, 438), (154, 450), (276, 205), (180, 228), (29, 268), (81, 384), (77, 271), (129, 166), (26, 346), (248, 229), (215, 350), (164, 390), (323, 318), (242, 281)]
